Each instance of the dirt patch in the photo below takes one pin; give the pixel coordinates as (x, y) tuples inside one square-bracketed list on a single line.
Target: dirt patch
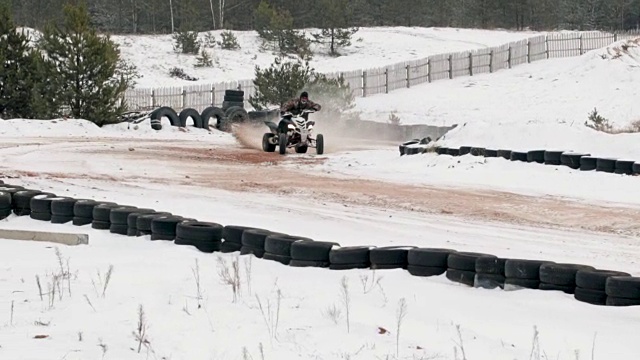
[(249, 170)]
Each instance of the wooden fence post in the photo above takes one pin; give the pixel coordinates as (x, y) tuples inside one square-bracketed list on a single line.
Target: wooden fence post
[(509, 57), (184, 98), (546, 45), (470, 63), (450, 66), (364, 83), (581, 45), (213, 95), (528, 51), (491, 61), (408, 76), (386, 80), (153, 97), (429, 69)]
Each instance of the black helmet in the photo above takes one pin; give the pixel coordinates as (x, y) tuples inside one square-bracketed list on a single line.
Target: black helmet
[(304, 97)]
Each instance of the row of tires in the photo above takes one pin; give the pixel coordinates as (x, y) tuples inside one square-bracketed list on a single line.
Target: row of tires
[(232, 111), (577, 161), (587, 284)]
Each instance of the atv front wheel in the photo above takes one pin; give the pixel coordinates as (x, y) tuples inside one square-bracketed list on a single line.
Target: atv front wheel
[(267, 146), (283, 141), (319, 144)]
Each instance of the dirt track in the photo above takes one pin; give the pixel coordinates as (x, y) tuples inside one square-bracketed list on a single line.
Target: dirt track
[(250, 170)]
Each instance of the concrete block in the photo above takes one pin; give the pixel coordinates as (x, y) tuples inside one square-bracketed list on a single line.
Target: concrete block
[(60, 238)]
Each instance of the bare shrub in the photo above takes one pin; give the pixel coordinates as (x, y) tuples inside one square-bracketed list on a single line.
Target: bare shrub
[(333, 313), (346, 300), (103, 282), (141, 330), (270, 315), (400, 314), (230, 275)]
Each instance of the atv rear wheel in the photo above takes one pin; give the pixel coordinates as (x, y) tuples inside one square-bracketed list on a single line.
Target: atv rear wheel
[(267, 146), (283, 140), (319, 144)]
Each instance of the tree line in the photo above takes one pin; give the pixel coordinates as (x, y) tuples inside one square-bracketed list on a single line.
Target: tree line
[(67, 70), (168, 16)]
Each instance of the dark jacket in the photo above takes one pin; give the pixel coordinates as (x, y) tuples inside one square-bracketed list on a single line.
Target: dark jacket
[(296, 107)]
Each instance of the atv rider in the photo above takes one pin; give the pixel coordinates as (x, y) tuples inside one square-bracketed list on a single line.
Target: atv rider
[(296, 106)]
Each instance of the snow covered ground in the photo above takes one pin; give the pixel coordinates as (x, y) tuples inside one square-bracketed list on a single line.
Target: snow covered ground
[(83, 323), (371, 47), (556, 91)]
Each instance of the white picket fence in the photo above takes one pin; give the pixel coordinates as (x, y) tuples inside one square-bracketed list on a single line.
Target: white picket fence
[(401, 75)]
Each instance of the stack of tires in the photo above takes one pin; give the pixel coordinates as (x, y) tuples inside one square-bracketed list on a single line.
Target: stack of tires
[(253, 241), (232, 238), (233, 98), (350, 257), (144, 221), (40, 206), (390, 257), (522, 274), (560, 277), (306, 253), (428, 262), (490, 272), (461, 267), (591, 285), (165, 227), (62, 210), (278, 247), (204, 236)]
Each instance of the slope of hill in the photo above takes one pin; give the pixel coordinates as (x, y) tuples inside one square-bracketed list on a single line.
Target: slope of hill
[(371, 47)]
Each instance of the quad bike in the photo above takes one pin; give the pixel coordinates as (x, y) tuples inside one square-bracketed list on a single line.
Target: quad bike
[(298, 135)]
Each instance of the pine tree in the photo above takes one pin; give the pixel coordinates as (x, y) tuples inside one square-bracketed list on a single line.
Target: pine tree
[(335, 31), (275, 27), (88, 68), (279, 83), (23, 75)]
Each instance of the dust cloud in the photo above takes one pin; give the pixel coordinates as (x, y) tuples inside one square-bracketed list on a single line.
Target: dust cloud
[(336, 138)]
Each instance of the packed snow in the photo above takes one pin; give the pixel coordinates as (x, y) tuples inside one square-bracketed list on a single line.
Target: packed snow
[(154, 55), (94, 320)]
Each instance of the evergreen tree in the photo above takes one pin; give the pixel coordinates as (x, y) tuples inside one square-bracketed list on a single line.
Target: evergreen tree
[(275, 27), (23, 75), (89, 74), (335, 95), (335, 19), (279, 83)]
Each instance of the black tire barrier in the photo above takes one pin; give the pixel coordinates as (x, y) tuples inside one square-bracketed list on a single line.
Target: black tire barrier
[(5, 204), (606, 165), (505, 154), (586, 283), (193, 114), (572, 160), (21, 201), (453, 152), (212, 112), (40, 206), (536, 156), (238, 93), (553, 157), (350, 257), (253, 241), (390, 257), (404, 145), (204, 236), (311, 253), (167, 112), (576, 161), (490, 153), (118, 219), (588, 163), (624, 167), (62, 210), (164, 227), (233, 115), (132, 220), (519, 156), (231, 103)]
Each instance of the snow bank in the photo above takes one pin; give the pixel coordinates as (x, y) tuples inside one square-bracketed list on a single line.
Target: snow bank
[(371, 47), (83, 128), (551, 91)]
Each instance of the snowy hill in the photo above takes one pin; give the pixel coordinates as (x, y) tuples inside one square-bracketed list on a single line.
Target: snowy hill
[(371, 47)]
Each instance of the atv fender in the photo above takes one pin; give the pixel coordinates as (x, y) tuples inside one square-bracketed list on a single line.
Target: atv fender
[(272, 126)]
